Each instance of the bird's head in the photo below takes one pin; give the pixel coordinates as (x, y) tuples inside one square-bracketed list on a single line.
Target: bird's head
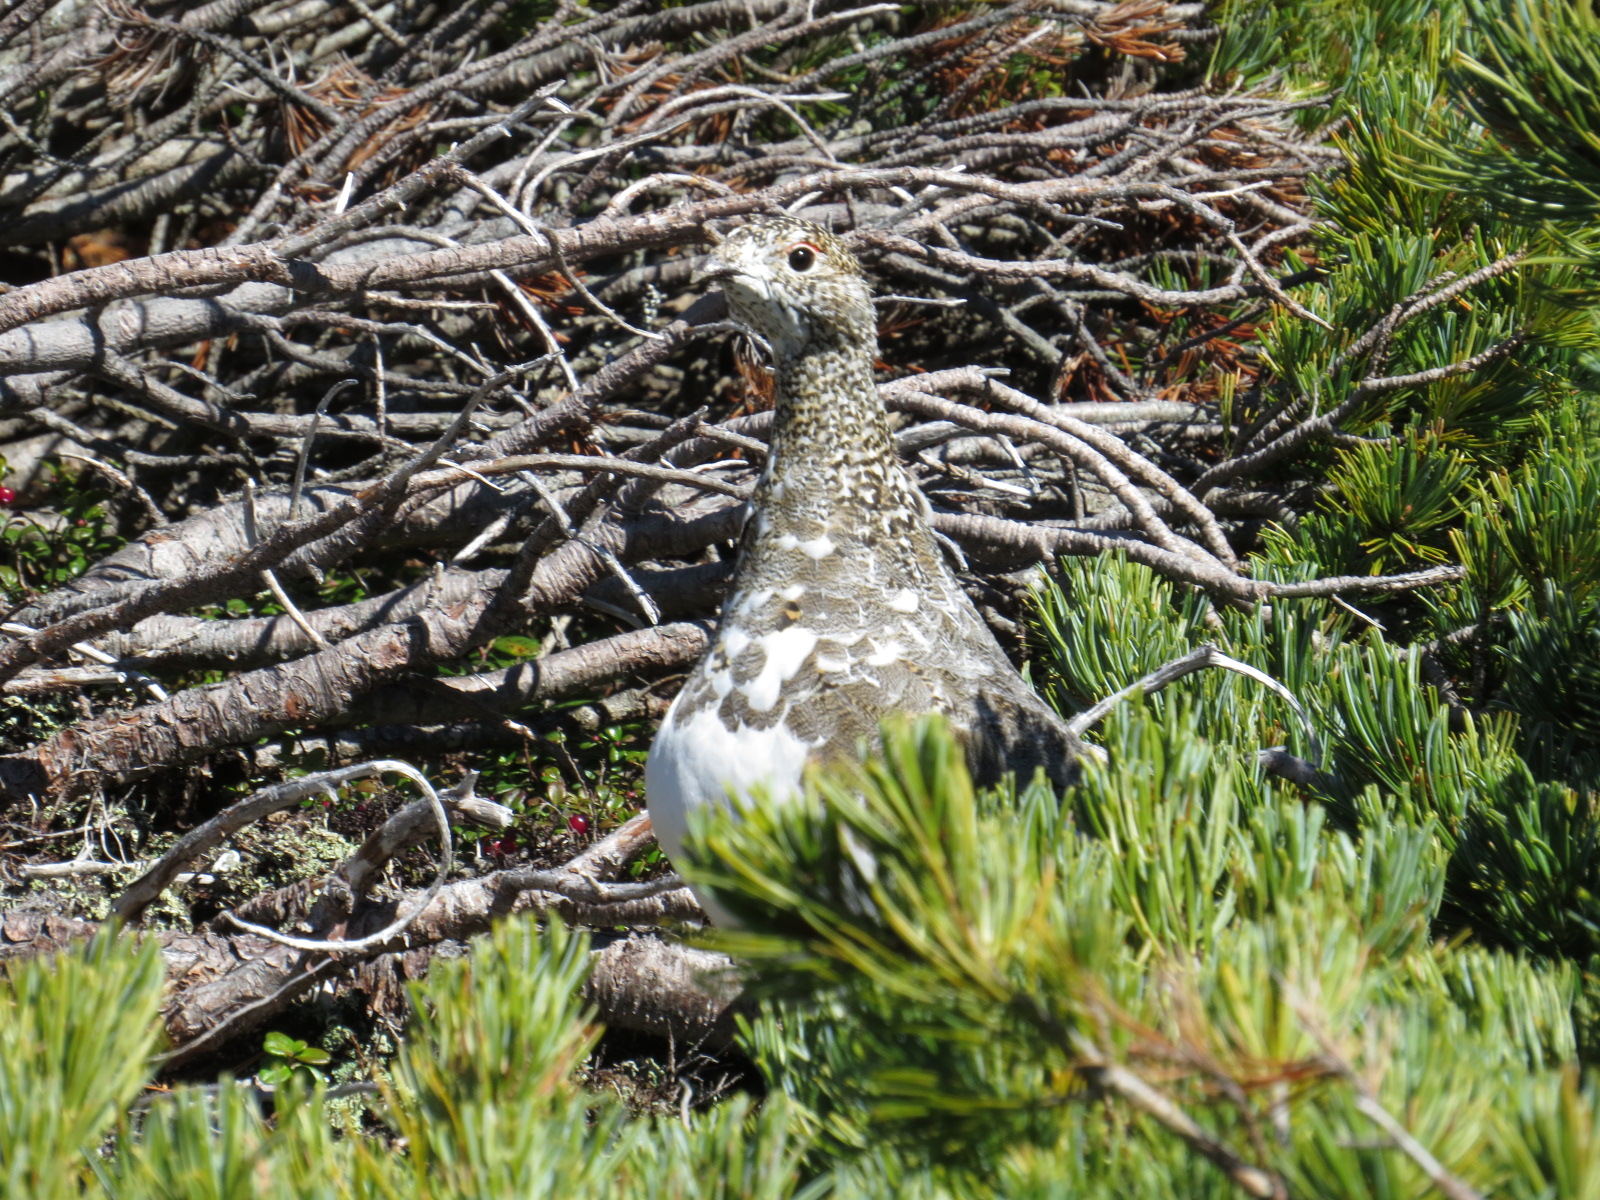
[(794, 283)]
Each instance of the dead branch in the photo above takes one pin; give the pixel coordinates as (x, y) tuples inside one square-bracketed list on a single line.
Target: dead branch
[(216, 215)]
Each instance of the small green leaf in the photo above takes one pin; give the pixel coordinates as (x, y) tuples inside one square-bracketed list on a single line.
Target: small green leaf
[(518, 645), (282, 1045)]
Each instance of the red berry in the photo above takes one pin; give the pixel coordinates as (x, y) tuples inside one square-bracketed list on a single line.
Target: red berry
[(578, 823), (7, 496)]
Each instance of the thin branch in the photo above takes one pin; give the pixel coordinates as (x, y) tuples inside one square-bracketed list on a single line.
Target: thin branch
[(1127, 1086), (408, 915), (1197, 660)]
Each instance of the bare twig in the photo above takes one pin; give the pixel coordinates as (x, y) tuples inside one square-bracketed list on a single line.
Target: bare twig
[(409, 915), (1196, 660)]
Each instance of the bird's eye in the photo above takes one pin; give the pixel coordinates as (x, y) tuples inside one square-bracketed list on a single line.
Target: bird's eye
[(802, 257)]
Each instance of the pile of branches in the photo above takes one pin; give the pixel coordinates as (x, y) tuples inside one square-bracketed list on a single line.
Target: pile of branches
[(405, 291)]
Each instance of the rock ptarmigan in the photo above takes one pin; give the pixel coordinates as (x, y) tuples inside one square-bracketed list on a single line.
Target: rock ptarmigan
[(842, 609)]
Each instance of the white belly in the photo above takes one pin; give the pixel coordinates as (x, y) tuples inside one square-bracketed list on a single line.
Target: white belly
[(700, 761)]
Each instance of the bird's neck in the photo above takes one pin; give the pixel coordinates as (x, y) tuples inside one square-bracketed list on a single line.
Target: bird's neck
[(834, 494), (830, 428)]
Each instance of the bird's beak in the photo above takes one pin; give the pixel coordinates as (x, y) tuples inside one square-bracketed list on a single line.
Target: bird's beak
[(712, 268)]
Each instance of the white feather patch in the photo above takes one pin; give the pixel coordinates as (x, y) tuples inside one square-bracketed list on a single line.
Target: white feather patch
[(701, 761), (818, 547), (885, 654), (753, 601), (786, 650)]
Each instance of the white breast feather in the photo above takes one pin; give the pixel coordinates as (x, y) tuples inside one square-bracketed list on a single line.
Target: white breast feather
[(701, 761)]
